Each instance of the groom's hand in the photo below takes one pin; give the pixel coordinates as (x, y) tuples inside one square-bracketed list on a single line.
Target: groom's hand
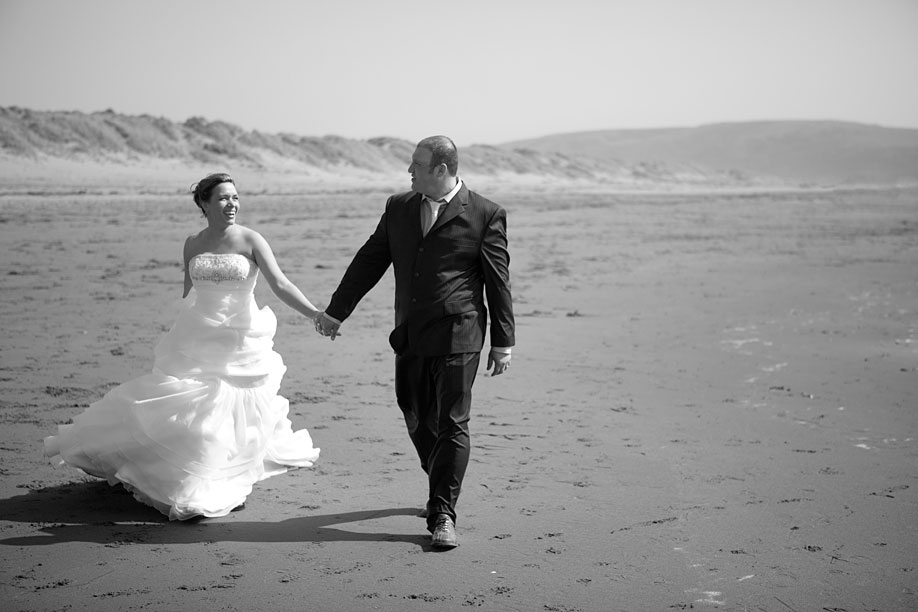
[(327, 326), (499, 360)]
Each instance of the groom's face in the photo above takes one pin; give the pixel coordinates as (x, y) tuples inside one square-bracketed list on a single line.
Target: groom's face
[(423, 179)]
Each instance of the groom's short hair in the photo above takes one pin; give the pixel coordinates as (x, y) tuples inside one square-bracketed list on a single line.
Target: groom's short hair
[(442, 151)]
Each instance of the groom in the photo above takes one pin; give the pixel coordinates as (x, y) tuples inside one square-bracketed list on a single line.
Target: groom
[(448, 248)]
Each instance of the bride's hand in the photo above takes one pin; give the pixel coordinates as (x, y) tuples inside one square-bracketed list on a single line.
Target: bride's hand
[(327, 326)]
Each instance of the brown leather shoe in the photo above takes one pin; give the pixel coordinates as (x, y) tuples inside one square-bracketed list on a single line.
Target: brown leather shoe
[(444, 533)]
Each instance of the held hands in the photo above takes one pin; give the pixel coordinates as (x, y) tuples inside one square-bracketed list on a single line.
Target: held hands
[(326, 326), (500, 361)]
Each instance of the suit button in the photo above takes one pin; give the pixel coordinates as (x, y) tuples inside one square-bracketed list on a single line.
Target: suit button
[(414, 300), (417, 274), (420, 249)]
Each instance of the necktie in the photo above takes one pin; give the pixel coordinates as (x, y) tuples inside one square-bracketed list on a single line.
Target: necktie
[(429, 218)]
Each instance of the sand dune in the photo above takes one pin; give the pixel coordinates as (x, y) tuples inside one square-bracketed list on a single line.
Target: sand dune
[(731, 155)]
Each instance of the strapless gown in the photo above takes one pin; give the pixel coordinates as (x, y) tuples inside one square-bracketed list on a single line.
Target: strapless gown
[(193, 436)]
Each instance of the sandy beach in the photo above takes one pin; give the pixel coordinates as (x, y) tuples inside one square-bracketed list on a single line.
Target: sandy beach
[(712, 406)]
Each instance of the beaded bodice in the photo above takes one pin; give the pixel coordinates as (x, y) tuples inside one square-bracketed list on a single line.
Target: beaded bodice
[(229, 271)]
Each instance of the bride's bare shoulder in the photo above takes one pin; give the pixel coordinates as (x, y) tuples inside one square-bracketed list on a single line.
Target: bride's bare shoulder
[(193, 246)]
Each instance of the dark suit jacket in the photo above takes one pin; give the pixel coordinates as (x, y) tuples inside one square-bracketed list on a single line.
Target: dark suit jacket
[(441, 279)]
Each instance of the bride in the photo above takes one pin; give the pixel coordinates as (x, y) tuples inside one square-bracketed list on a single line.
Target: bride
[(193, 436)]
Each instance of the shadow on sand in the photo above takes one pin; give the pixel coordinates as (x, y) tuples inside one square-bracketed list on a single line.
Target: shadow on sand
[(96, 512)]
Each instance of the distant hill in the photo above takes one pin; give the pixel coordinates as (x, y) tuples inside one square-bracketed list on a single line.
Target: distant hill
[(725, 155), (824, 152)]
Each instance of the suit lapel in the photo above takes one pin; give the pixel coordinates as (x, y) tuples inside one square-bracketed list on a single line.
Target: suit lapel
[(414, 213), (455, 208)]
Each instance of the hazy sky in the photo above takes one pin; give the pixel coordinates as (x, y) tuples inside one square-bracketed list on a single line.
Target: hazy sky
[(482, 71)]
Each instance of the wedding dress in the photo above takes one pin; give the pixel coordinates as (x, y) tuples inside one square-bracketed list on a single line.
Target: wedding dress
[(192, 437)]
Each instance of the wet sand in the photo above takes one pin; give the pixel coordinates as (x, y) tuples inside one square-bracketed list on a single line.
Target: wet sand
[(712, 405)]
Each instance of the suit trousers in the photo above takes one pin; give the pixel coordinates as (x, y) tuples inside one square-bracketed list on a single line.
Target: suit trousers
[(435, 396)]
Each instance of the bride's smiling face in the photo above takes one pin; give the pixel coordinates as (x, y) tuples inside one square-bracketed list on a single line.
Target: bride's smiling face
[(223, 204)]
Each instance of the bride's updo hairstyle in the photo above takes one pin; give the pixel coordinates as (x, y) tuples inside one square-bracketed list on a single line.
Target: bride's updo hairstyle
[(205, 186)]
